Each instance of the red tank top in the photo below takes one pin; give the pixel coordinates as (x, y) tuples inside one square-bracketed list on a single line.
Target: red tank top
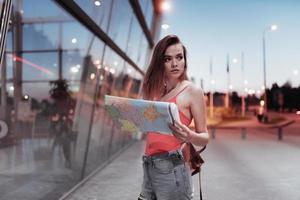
[(158, 143)]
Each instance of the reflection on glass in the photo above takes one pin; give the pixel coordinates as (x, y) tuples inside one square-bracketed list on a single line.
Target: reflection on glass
[(9, 66), (40, 36), (72, 65), (120, 23), (9, 41), (36, 9), (143, 47), (134, 40), (147, 9), (39, 66), (1, 2), (144, 5), (36, 91), (149, 14), (100, 14), (55, 104), (74, 39)]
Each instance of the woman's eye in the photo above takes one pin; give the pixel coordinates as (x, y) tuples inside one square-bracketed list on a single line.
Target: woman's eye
[(179, 57), (167, 59)]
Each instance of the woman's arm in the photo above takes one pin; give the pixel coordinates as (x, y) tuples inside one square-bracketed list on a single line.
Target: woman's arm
[(200, 136)]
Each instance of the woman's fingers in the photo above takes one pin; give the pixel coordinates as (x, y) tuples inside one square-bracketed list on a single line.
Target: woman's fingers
[(173, 128), (177, 132), (182, 126)]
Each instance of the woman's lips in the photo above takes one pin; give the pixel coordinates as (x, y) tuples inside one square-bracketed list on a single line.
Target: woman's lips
[(175, 70)]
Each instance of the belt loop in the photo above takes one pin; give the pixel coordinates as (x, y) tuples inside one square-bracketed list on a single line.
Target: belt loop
[(179, 154), (152, 163)]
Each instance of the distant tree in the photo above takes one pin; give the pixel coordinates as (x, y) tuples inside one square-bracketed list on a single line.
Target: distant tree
[(287, 96), (252, 100), (235, 99), (274, 97), (35, 105)]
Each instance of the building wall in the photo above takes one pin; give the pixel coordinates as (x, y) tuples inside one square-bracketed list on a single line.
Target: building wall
[(58, 70)]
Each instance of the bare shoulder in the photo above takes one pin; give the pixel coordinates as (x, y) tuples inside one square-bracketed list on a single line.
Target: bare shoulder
[(195, 91)]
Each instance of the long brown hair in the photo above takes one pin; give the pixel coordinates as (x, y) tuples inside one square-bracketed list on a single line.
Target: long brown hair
[(153, 85)]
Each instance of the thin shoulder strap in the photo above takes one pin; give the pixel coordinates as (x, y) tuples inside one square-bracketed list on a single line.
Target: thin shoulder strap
[(181, 91)]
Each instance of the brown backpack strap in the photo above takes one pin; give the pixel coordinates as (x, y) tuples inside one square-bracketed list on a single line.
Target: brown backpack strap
[(195, 159)]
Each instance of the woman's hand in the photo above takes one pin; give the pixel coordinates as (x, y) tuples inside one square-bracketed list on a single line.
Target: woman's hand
[(181, 131)]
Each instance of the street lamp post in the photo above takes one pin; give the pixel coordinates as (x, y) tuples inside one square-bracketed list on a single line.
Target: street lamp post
[(271, 28)]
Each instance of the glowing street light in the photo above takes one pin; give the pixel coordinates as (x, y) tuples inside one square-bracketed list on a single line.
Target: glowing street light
[(112, 71), (74, 69), (26, 97), (258, 92), (251, 92), (92, 76), (274, 27), (74, 40), (165, 26), (97, 3), (97, 62), (295, 72), (234, 60), (271, 28), (166, 6)]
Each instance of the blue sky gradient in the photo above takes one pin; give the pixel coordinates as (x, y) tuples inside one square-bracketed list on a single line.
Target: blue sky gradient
[(215, 28)]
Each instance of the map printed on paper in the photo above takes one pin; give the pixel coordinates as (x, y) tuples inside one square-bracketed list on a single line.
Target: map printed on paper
[(137, 115)]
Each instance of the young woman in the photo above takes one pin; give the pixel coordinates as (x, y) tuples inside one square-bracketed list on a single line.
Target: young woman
[(166, 169)]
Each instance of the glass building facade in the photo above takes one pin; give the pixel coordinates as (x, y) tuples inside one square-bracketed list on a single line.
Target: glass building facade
[(59, 60)]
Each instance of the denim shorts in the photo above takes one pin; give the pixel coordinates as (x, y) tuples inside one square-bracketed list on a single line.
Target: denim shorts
[(166, 177)]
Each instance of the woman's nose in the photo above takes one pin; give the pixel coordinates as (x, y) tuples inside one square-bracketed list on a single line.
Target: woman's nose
[(174, 63)]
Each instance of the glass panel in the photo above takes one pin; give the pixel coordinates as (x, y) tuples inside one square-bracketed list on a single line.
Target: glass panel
[(40, 36), (48, 126), (37, 9), (147, 8), (143, 4), (74, 39), (72, 65), (135, 36), (9, 40), (120, 23), (39, 66), (113, 66), (142, 52), (36, 91), (149, 14), (99, 13), (90, 64), (49, 119), (1, 2), (9, 66)]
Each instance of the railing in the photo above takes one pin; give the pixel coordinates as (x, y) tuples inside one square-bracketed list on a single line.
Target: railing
[(280, 127), (243, 129)]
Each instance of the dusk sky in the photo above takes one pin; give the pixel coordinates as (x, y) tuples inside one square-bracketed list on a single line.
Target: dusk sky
[(215, 28)]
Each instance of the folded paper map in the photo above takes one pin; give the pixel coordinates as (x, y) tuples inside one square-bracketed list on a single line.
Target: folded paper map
[(137, 115)]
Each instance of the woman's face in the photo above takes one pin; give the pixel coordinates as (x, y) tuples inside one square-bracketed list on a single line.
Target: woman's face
[(174, 61)]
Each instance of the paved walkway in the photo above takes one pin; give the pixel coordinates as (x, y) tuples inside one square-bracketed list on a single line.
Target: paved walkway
[(259, 168)]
